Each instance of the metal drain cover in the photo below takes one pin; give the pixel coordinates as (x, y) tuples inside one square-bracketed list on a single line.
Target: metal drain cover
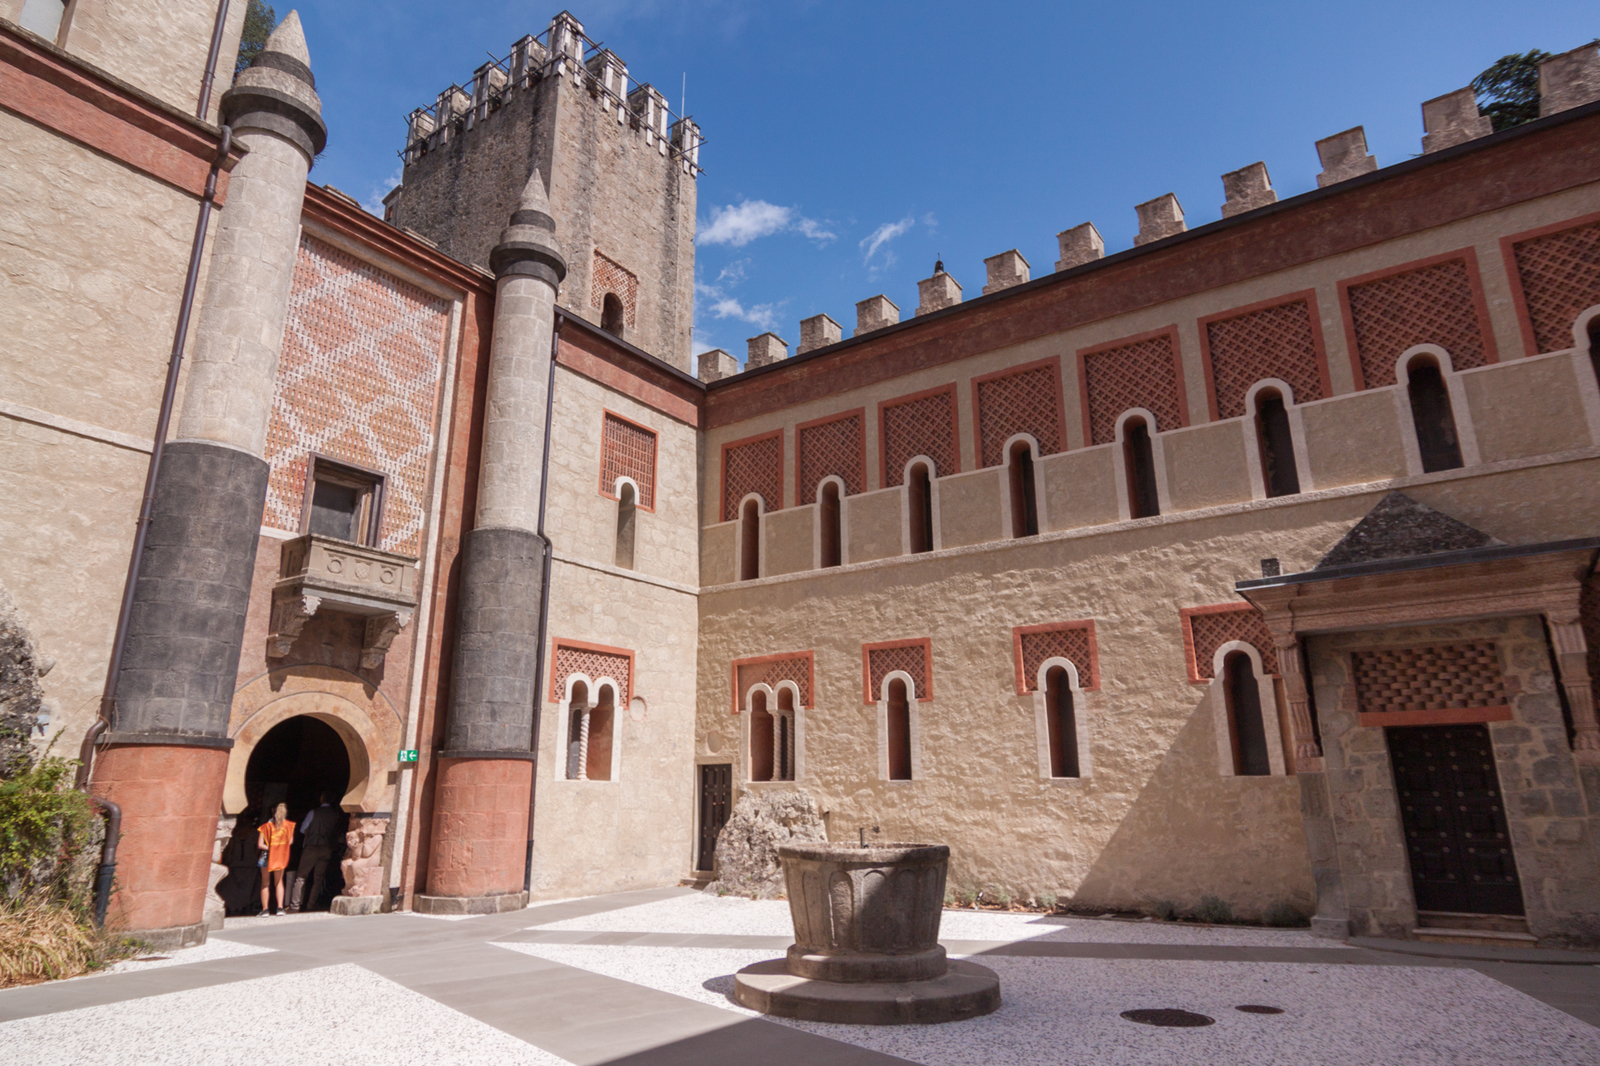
[(1257, 1008), (1181, 1019)]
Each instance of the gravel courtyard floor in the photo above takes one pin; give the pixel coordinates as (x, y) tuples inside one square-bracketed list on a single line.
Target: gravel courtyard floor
[(644, 977)]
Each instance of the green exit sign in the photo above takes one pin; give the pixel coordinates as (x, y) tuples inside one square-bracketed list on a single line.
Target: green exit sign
[(408, 755)]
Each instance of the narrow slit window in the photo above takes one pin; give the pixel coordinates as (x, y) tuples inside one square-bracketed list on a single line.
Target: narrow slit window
[(783, 742), (1061, 724), (577, 727), (1246, 730), (899, 732), (1277, 445), (611, 315), (1139, 458), (761, 738), (1024, 499), (828, 515), (919, 494), (1434, 420), (602, 720), (750, 542), (627, 518), (343, 502), (1594, 347)]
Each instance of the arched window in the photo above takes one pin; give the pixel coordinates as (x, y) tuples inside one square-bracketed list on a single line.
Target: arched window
[(783, 741), (1277, 445), (1594, 346), (761, 737), (602, 718), (1246, 730), (1024, 500), (829, 518), (611, 315), (1062, 723), (1431, 414), (626, 513), (919, 494), (577, 726), (1140, 462), (750, 541), (899, 732)]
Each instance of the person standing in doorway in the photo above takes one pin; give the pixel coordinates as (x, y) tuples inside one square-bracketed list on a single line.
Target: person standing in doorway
[(275, 838), (318, 829)]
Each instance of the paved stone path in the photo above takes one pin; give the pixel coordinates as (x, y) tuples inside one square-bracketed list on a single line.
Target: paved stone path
[(642, 977)]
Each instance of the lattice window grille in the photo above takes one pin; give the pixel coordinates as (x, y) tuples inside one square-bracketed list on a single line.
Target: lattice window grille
[(1275, 342), (796, 669), (924, 426), (1140, 374), (1560, 275), (912, 658), (831, 448), (1069, 644), (593, 665), (754, 467), (1442, 678), (1209, 631), (1025, 402), (1433, 305), (358, 381), (627, 450), (611, 276)]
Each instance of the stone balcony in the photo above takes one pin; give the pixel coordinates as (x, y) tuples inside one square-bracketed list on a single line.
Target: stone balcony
[(319, 573)]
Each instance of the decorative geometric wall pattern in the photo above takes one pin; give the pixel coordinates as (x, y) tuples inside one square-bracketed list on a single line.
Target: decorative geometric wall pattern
[(358, 380), (1072, 641), (1447, 677), (627, 450), (831, 448), (755, 466), (915, 657), (1140, 374), (1205, 629), (1560, 275), (593, 664), (610, 276), (924, 426), (1274, 342), (769, 671), (1025, 402), (1433, 305)]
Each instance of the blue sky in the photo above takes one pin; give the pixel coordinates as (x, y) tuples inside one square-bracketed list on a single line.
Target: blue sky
[(850, 144)]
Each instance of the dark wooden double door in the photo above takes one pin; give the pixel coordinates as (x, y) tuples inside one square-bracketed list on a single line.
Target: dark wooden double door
[(716, 800), (1454, 817)]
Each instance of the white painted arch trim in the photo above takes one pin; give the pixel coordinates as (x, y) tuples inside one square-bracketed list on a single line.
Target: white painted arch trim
[(1040, 496), (1271, 714), (1252, 441), (1158, 454), (745, 762), (844, 524), (1460, 410), (1081, 719), (914, 707), (564, 722), (905, 502)]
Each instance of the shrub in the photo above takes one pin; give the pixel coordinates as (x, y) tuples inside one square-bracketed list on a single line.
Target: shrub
[(1214, 910), (1286, 915), (41, 940), (48, 835), (1166, 910), (1048, 901)]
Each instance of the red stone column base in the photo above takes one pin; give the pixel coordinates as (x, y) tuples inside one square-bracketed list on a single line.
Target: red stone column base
[(170, 797), (480, 837)]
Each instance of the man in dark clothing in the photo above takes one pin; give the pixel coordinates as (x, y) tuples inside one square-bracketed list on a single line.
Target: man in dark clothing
[(318, 831)]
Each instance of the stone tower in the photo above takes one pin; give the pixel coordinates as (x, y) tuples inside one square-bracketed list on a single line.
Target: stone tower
[(620, 168)]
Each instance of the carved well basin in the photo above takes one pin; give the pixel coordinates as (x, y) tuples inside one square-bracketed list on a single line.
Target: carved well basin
[(865, 914)]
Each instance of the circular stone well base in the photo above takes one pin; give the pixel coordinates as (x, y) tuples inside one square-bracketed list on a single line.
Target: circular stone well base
[(967, 990)]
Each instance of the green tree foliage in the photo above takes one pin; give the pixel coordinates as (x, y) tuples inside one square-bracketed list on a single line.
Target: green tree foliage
[(259, 20), (1508, 92), (47, 832)]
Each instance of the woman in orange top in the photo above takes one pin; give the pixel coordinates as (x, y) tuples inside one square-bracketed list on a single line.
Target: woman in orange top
[(275, 838)]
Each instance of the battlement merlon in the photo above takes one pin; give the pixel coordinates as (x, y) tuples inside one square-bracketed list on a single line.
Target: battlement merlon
[(563, 49)]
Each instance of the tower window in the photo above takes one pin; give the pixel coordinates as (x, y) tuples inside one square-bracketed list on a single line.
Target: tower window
[(627, 519), (750, 541), (611, 315), (1024, 500), (1431, 415), (1246, 730), (1277, 445), (343, 502), (1139, 459), (919, 495), (899, 732), (829, 518), (1061, 723)]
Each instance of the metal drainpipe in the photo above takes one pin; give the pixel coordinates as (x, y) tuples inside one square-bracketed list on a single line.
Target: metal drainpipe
[(108, 850), (544, 596)]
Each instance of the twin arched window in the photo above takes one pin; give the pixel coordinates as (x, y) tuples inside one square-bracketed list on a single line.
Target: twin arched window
[(772, 737), (590, 729)]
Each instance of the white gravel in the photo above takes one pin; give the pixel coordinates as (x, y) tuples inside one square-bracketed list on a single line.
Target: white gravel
[(1065, 1012), (340, 1014), (732, 916)]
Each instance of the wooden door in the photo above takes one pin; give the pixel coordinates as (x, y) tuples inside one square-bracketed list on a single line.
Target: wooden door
[(716, 798), (1454, 818)]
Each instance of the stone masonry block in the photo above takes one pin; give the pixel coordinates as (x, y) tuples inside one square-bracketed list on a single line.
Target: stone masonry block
[(875, 312), (1344, 156), (937, 293), (1158, 219), (1569, 79), (716, 365), (1247, 189), (818, 331), (1453, 119), (1005, 270), (766, 349), (1079, 245)]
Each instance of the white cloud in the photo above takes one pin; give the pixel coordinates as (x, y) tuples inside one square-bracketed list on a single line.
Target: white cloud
[(883, 235), (374, 201), (762, 316), (811, 228), (740, 225)]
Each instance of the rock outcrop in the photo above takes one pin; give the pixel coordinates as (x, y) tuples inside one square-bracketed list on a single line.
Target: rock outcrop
[(747, 849)]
